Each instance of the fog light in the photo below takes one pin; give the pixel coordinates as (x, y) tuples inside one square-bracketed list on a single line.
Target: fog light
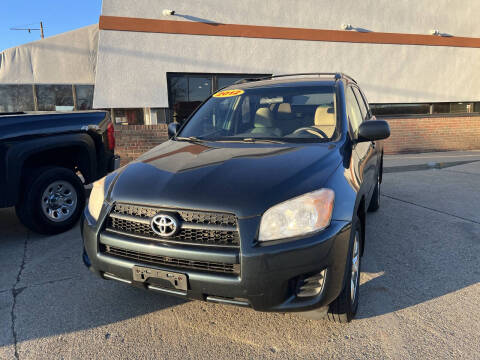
[(312, 285)]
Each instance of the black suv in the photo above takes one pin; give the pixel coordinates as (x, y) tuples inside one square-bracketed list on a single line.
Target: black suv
[(258, 200)]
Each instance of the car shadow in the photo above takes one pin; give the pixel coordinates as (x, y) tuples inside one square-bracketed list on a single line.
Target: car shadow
[(413, 255), (82, 303), (49, 291)]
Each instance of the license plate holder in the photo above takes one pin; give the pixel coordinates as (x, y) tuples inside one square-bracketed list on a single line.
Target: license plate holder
[(178, 280)]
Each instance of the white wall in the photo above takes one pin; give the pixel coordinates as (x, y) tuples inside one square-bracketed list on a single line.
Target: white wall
[(458, 17), (68, 58), (132, 66)]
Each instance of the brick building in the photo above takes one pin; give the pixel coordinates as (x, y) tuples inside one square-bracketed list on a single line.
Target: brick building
[(153, 61)]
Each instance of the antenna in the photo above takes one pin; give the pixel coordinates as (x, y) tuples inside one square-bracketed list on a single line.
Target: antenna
[(31, 29)]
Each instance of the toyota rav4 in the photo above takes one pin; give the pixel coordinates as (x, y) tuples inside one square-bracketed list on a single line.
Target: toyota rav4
[(259, 199)]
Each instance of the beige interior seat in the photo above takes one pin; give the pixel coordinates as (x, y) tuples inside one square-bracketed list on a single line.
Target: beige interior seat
[(263, 123), (284, 111), (284, 119), (325, 120)]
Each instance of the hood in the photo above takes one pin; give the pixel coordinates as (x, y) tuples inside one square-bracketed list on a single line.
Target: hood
[(239, 178)]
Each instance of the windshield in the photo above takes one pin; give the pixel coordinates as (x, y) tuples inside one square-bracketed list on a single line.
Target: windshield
[(277, 113)]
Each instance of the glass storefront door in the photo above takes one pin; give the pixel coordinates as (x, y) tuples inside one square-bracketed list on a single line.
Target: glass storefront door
[(187, 91)]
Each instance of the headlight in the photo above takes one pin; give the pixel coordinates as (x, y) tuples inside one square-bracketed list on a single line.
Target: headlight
[(302, 215), (97, 197)]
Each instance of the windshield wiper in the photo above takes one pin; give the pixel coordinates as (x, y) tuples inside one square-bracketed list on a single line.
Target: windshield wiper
[(244, 140), (252, 140), (189, 138), (256, 140)]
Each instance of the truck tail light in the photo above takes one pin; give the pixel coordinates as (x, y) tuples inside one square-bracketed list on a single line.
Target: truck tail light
[(111, 137)]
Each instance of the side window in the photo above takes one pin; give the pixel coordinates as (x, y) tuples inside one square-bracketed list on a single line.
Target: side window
[(353, 111), (361, 103)]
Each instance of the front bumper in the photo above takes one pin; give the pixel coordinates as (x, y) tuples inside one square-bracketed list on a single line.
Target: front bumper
[(270, 274)]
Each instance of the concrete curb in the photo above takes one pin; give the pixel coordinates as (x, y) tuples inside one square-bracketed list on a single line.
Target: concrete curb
[(427, 166)]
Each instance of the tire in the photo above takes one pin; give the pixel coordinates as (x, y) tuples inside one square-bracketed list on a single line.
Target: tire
[(52, 200), (375, 201), (344, 307)]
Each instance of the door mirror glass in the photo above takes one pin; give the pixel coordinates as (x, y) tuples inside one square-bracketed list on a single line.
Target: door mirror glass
[(173, 129), (373, 130)]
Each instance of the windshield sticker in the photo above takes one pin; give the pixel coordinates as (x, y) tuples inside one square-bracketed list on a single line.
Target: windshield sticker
[(228, 93)]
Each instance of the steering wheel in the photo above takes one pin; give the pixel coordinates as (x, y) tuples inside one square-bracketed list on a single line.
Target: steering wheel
[(311, 128)]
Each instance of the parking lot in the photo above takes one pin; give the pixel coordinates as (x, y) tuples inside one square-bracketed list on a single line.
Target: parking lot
[(420, 293)]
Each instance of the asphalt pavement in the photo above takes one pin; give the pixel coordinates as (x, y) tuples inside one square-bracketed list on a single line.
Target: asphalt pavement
[(419, 298)]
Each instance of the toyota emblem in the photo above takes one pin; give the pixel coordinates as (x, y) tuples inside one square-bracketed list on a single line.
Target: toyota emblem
[(164, 225)]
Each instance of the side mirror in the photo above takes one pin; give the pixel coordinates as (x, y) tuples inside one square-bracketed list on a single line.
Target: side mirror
[(173, 129), (372, 130)]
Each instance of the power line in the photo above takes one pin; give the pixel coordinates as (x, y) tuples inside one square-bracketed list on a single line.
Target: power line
[(31, 29)]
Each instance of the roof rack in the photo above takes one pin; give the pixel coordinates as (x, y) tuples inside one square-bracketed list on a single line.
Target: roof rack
[(336, 75), (348, 77)]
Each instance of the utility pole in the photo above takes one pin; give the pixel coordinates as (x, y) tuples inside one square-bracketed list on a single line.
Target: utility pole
[(32, 29)]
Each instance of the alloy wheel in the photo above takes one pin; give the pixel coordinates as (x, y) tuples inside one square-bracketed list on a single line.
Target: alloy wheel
[(59, 201), (354, 279)]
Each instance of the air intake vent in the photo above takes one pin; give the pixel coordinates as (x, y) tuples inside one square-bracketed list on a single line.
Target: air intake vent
[(176, 263)]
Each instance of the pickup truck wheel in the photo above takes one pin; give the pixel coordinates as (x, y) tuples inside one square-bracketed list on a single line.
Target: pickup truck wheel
[(52, 201), (375, 202), (344, 307)]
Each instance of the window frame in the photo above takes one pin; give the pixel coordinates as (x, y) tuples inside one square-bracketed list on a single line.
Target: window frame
[(359, 93), (351, 131)]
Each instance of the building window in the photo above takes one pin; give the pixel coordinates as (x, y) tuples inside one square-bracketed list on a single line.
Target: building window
[(15, 98), (187, 90), (186, 93), (400, 109), (159, 115), (456, 108), (54, 97), (425, 108), (128, 116), (84, 97)]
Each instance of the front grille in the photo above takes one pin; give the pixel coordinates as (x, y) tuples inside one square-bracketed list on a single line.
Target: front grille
[(195, 216), (196, 228), (174, 262)]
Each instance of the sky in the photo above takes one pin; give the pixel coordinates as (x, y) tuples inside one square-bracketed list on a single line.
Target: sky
[(58, 16)]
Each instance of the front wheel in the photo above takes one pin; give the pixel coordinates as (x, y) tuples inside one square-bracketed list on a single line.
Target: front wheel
[(344, 307), (52, 200)]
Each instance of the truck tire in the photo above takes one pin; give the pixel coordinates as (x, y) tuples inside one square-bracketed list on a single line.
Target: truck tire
[(344, 307), (52, 200)]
